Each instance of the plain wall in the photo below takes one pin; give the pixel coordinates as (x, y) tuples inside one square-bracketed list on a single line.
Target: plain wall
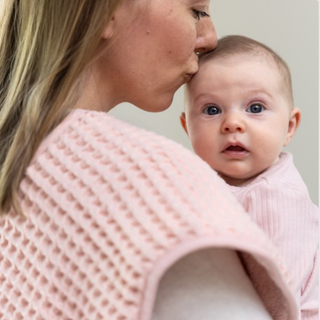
[(289, 27)]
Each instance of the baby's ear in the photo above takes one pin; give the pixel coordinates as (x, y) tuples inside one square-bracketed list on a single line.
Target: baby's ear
[(184, 122), (293, 125)]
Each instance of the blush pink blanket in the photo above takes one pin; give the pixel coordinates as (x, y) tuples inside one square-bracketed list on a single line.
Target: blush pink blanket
[(108, 208)]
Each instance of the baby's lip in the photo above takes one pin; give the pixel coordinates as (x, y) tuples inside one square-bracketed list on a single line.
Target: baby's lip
[(235, 151), (235, 146)]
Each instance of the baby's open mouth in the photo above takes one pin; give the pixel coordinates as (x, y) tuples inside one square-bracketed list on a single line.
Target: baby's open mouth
[(235, 152), (236, 148)]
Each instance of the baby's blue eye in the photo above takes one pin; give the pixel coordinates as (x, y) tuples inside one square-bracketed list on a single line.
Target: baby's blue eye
[(255, 108), (211, 110)]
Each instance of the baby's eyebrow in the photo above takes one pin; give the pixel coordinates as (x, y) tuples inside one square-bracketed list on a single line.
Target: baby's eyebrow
[(202, 96), (262, 92)]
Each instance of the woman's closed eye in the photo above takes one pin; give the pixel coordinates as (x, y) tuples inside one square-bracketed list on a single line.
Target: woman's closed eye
[(211, 110), (200, 14), (255, 108)]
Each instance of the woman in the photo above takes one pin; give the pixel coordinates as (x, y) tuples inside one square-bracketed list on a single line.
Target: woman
[(95, 211)]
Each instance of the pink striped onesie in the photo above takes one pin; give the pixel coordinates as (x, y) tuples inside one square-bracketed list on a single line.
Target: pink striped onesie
[(278, 201)]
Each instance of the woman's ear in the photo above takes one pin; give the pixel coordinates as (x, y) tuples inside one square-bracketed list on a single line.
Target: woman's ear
[(121, 14), (184, 122), (109, 30), (293, 125), (116, 23)]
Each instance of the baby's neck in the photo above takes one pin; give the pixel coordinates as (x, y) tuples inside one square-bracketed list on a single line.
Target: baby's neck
[(237, 182)]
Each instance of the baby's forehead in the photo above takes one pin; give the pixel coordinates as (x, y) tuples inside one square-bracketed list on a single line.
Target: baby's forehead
[(243, 50), (211, 69), (248, 63), (239, 58), (236, 65)]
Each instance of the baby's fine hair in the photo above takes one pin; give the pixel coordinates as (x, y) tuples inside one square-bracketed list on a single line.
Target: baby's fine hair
[(236, 45)]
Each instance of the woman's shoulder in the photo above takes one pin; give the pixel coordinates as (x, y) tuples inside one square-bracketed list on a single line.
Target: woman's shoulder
[(93, 137), (93, 151)]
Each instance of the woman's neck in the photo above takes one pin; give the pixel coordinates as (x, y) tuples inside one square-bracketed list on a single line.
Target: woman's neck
[(97, 92)]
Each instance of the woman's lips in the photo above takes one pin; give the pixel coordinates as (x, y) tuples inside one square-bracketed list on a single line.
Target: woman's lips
[(189, 76), (235, 152)]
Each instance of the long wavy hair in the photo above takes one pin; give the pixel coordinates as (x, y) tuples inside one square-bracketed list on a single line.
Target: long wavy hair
[(45, 47)]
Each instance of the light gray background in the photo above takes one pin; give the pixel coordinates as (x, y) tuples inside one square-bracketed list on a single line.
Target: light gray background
[(289, 27)]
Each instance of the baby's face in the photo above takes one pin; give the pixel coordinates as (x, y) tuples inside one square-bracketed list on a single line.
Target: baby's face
[(238, 116)]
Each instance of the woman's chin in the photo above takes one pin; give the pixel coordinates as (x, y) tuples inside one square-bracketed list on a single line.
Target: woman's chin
[(157, 106)]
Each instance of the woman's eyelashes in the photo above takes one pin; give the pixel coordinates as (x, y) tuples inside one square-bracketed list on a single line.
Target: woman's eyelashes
[(255, 108), (211, 110), (200, 14)]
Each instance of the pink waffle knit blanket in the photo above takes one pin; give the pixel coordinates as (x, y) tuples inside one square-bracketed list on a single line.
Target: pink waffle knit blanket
[(108, 208)]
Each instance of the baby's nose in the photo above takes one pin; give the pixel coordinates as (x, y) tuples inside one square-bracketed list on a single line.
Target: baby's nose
[(232, 125)]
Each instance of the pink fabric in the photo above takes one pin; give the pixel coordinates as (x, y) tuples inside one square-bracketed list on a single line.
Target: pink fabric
[(108, 208), (278, 201)]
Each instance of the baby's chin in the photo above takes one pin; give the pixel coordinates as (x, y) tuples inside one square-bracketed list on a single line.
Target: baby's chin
[(240, 176), (237, 181)]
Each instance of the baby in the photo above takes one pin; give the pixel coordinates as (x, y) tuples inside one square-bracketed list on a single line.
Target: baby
[(239, 114)]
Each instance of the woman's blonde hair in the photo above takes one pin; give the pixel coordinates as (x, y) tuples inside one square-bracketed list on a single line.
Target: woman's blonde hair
[(45, 46)]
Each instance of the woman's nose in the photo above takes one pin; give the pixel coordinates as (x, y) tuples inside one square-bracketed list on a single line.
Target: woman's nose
[(207, 36), (233, 124)]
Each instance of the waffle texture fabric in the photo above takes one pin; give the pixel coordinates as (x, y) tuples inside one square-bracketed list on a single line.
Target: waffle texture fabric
[(278, 201), (108, 208)]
